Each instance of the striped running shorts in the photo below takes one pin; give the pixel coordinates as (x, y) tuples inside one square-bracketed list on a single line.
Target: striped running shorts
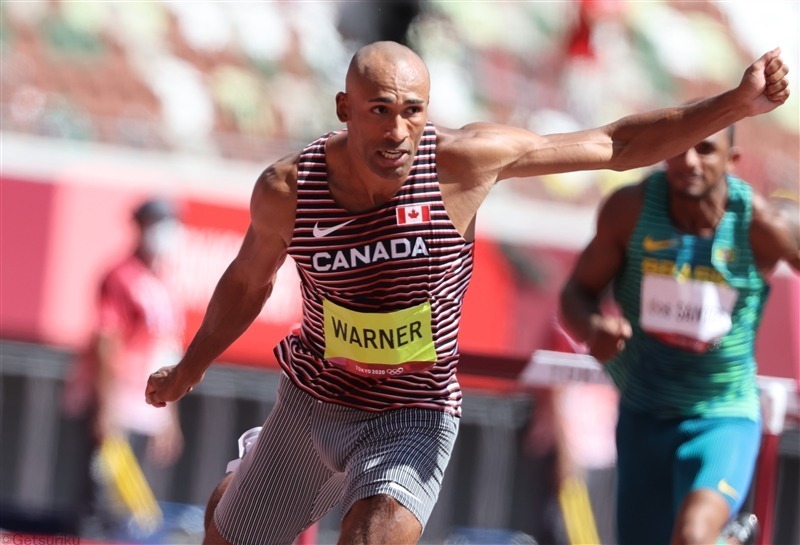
[(311, 455)]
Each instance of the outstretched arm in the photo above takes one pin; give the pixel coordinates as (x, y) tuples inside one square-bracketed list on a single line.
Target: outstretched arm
[(645, 139), (243, 288), (486, 152)]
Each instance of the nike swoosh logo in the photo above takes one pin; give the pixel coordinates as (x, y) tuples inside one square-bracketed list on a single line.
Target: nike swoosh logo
[(727, 489), (652, 245), (402, 489), (319, 232)]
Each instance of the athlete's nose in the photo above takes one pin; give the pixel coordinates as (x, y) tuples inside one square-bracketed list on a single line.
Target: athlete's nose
[(397, 131), (690, 158)]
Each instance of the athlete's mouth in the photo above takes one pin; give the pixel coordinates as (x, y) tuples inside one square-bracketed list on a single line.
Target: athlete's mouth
[(392, 154), (694, 179)]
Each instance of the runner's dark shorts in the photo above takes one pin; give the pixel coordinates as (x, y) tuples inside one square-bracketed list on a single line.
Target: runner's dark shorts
[(311, 455)]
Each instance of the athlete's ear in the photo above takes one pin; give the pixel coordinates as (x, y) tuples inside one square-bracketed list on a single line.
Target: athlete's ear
[(341, 107), (734, 156)]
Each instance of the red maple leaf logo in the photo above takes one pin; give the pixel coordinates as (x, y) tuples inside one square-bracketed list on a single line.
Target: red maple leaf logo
[(413, 214)]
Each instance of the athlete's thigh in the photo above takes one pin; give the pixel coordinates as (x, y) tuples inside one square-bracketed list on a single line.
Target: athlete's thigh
[(645, 450), (272, 496), (717, 454), (402, 454)]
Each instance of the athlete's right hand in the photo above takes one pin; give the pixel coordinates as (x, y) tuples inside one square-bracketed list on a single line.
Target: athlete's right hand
[(608, 336), (168, 384)]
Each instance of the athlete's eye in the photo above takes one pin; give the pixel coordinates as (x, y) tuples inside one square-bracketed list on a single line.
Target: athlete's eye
[(705, 148)]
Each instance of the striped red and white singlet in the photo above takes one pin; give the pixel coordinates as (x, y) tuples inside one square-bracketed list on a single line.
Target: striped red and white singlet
[(379, 283)]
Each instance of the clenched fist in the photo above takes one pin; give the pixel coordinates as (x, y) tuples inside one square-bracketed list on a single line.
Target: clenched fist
[(168, 384), (608, 336), (764, 83)]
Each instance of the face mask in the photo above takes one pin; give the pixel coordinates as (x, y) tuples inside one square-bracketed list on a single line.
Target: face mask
[(160, 238)]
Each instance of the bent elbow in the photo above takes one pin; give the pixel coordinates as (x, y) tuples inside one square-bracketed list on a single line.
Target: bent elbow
[(623, 160), (632, 154)]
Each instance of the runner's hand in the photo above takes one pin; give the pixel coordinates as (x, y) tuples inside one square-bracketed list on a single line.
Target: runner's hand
[(608, 336), (765, 84), (166, 385)]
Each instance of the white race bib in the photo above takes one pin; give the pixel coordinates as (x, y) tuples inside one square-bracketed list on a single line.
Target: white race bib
[(692, 314)]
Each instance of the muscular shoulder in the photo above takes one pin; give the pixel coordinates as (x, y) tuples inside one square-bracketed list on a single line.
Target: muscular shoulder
[(481, 152), (628, 197), (280, 178), (469, 138), (620, 212), (456, 152), (274, 200), (775, 232)]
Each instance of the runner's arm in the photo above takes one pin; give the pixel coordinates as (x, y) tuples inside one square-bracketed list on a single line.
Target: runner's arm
[(775, 232), (248, 281), (243, 288), (596, 267), (489, 152)]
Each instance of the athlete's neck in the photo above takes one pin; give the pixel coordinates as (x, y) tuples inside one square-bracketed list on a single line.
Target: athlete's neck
[(351, 184), (699, 216)]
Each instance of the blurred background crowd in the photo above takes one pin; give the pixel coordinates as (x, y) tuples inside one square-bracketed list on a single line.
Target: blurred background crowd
[(250, 81), (105, 103)]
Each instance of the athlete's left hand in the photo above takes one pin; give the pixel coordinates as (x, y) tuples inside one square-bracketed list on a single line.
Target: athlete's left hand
[(764, 85)]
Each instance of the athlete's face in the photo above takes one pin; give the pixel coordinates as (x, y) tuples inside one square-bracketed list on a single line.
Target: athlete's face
[(695, 172), (386, 110)]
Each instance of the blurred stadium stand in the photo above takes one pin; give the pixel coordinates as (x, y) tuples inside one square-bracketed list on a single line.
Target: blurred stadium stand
[(237, 79)]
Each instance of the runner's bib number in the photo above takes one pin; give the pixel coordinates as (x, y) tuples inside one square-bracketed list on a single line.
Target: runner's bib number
[(379, 344), (689, 314)]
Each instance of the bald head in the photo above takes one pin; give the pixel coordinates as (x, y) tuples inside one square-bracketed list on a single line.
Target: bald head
[(385, 106), (386, 60)]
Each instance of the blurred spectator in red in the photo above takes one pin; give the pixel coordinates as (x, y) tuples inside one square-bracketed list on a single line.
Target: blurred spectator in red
[(138, 329), (589, 13)]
